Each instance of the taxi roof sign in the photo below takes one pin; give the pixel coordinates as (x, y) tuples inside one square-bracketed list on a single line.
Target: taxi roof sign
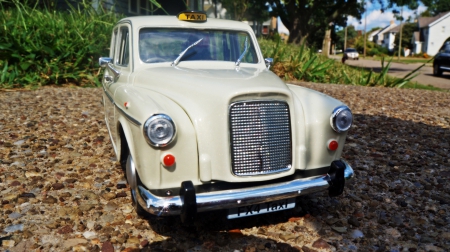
[(194, 16)]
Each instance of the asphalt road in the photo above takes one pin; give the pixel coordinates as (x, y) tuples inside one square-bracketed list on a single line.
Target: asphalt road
[(425, 76)]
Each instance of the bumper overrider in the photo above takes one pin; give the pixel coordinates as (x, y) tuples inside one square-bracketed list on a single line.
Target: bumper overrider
[(188, 203)]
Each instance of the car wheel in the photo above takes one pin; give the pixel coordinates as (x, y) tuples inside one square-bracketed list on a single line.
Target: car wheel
[(133, 181), (436, 70)]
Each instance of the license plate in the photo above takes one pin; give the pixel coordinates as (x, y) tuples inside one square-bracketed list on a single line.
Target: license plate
[(274, 206)]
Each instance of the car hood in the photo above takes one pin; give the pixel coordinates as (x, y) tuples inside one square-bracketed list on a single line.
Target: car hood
[(200, 90)]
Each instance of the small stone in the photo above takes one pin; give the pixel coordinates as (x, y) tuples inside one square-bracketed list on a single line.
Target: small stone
[(321, 244), (65, 230), (392, 232), (121, 186), (288, 236), (57, 186), (27, 195), (121, 195), (109, 196), (133, 240), (86, 207), (356, 234), (339, 229), (49, 200), (90, 235), (107, 247), (307, 249), (8, 243), (331, 221), (14, 216), (13, 228), (144, 243), (353, 221), (15, 183), (73, 242)]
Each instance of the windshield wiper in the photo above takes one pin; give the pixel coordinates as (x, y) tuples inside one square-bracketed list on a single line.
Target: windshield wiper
[(175, 62), (238, 61)]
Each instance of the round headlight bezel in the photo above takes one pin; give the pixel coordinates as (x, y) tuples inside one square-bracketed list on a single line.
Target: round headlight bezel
[(151, 121), (334, 118)]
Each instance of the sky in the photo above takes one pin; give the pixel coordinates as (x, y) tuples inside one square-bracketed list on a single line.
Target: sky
[(374, 17)]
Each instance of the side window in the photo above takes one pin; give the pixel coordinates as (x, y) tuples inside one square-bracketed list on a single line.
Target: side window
[(112, 50), (124, 48), (447, 48)]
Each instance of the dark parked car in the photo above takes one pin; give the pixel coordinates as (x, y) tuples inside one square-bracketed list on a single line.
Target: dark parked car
[(442, 60)]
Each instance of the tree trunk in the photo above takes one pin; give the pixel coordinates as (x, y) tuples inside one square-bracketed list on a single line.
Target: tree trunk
[(326, 43), (297, 33)]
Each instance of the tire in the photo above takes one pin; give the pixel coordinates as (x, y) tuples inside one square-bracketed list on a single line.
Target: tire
[(133, 182), (436, 70)]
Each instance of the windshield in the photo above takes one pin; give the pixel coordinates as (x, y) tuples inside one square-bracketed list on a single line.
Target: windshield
[(166, 44), (350, 50)]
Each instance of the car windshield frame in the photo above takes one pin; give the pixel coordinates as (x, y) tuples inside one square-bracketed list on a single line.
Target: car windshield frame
[(158, 45)]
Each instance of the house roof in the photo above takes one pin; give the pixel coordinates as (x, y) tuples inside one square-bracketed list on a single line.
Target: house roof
[(396, 28), (385, 29), (428, 21)]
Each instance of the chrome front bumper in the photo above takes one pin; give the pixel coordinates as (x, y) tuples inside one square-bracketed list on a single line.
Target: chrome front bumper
[(165, 206)]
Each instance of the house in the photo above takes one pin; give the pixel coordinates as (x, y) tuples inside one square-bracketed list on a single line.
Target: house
[(389, 37), (379, 37), (433, 32), (371, 35)]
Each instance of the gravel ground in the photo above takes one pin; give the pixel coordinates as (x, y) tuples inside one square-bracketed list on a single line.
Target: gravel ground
[(61, 188)]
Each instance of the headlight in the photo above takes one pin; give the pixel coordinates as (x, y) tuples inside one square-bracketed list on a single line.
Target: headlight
[(341, 120), (159, 130)]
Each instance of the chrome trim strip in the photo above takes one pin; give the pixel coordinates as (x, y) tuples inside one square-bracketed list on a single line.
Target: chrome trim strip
[(130, 118), (165, 206), (109, 97)]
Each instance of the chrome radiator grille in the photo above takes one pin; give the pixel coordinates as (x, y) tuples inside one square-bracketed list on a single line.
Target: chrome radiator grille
[(260, 137)]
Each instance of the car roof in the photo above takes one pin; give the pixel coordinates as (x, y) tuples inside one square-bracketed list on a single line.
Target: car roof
[(172, 21)]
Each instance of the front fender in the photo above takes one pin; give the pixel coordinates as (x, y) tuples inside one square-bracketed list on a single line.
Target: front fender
[(153, 174), (317, 109)]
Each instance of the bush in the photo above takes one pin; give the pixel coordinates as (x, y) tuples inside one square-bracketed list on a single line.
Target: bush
[(41, 47)]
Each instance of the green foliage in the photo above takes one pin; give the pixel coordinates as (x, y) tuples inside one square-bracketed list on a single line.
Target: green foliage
[(351, 36), (408, 30), (301, 63), (40, 47)]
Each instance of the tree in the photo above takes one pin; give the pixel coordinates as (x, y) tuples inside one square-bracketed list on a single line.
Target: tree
[(258, 12), (436, 7), (340, 37), (236, 8), (408, 31), (304, 18)]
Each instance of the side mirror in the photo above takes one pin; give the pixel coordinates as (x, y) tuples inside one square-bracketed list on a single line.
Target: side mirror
[(268, 62), (104, 61)]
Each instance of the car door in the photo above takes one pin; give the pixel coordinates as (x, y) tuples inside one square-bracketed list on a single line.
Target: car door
[(446, 57), (117, 74)]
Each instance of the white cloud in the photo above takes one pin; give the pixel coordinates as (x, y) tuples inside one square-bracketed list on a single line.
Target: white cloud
[(376, 18)]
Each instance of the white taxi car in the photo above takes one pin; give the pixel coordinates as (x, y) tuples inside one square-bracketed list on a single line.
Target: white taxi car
[(200, 123)]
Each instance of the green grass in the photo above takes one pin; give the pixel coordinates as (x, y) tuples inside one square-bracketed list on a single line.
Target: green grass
[(42, 47), (301, 63), (406, 60)]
